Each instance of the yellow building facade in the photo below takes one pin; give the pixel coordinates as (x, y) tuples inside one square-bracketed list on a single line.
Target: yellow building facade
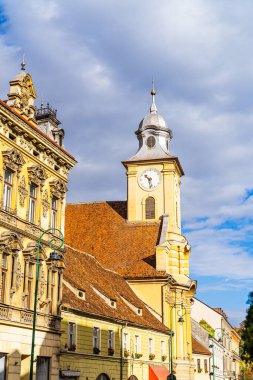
[(34, 168), (126, 358)]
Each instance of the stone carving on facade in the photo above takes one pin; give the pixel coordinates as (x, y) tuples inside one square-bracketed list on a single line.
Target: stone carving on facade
[(42, 282), (37, 174), (13, 159), (22, 94), (19, 275), (30, 252), (26, 144), (22, 191), (10, 242), (58, 188), (45, 203)]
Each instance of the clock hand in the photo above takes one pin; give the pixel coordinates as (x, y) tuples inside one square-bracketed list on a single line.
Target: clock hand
[(149, 180)]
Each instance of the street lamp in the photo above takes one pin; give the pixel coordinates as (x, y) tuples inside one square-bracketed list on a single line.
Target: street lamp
[(53, 257), (181, 313)]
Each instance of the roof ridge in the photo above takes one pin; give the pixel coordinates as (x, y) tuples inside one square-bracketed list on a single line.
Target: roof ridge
[(93, 202)]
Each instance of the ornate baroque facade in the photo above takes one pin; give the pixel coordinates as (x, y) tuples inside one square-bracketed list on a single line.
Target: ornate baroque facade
[(34, 168)]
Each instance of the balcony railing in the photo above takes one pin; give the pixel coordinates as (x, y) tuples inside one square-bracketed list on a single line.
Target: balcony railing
[(18, 315)]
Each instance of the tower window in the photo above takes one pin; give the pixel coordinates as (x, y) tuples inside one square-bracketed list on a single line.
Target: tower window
[(150, 208), (150, 142)]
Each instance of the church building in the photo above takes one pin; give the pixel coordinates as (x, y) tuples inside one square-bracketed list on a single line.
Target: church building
[(140, 240)]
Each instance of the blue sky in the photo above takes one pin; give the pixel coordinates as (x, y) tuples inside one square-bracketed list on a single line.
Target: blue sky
[(94, 62)]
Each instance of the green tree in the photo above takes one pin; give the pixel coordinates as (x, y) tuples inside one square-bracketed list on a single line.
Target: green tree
[(247, 333)]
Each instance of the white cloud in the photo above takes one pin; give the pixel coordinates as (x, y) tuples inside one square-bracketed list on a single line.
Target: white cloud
[(95, 60)]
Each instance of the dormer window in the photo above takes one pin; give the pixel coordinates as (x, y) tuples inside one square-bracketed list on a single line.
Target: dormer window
[(107, 300), (136, 309), (81, 294)]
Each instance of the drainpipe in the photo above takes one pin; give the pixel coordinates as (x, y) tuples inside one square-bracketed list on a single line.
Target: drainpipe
[(122, 351), (163, 301)]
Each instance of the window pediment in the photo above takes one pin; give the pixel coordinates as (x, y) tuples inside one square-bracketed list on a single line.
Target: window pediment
[(10, 242), (58, 188), (13, 159), (37, 174)]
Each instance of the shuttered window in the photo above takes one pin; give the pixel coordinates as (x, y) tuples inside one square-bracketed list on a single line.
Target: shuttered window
[(150, 208)]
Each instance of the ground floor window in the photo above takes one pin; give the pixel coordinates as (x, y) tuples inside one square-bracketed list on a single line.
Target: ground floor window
[(42, 368), (2, 366), (103, 376)]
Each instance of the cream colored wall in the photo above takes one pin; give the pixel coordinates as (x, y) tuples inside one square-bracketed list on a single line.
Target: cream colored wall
[(202, 311), (150, 292), (201, 375), (15, 341)]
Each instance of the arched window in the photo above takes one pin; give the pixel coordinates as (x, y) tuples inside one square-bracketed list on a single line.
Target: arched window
[(132, 377), (150, 208), (103, 376)]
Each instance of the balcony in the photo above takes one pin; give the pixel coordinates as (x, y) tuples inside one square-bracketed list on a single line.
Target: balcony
[(25, 317)]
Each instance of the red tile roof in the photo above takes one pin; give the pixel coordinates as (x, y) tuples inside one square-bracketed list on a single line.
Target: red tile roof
[(220, 311), (84, 272), (198, 348), (101, 229), (33, 126)]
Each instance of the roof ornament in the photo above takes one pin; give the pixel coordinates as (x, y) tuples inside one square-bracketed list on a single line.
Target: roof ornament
[(23, 63), (153, 108)]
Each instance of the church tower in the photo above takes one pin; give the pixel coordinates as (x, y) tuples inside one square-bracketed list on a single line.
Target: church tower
[(153, 174), (153, 196)]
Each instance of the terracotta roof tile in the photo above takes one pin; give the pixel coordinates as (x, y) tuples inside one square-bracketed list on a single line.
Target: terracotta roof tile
[(101, 229), (198, 348), (84, 272)]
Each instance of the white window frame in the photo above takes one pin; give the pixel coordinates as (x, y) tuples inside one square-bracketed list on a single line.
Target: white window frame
[(96, 338), (8, 189), (163, 348), (111, 338), (151, 348), (126, 341), (137, 344), (54, 212), (71, 341), (32, 204)]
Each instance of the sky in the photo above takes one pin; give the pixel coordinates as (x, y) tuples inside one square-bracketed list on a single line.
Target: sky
[(94, 61)]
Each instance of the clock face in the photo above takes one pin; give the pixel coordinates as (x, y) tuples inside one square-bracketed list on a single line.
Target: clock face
[(149, 179)]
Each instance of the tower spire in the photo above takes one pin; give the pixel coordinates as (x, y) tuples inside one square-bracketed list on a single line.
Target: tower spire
[(153, 108)]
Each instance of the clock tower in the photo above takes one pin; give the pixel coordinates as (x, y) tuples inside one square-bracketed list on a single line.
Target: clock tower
[(153, 196), (153, 174)]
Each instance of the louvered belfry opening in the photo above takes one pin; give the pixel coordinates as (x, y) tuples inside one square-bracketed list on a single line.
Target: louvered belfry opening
[(150, 208)]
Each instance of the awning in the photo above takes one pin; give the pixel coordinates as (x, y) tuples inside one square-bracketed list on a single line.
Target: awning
[(70, 373), (157, 372)]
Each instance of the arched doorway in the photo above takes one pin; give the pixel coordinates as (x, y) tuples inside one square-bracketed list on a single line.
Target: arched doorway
[(132, 377), (103, 376)]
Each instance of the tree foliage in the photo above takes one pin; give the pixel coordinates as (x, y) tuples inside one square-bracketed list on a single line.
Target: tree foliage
[(247, 333)]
